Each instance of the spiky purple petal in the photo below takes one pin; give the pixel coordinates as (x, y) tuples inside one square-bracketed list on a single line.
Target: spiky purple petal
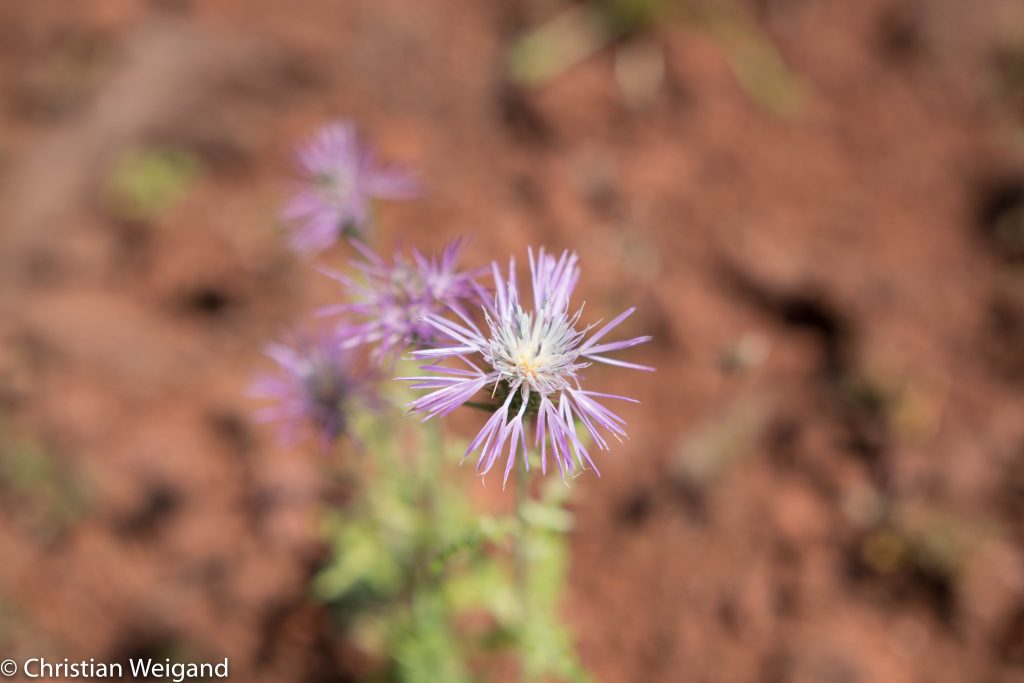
[(340, 177), (526, 353)]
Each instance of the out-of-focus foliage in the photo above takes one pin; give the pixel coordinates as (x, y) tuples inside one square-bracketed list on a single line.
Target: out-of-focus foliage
[(756, 63), (546, 51), (46, 496), (581, 30), (426, 584), (624, 16), (549, 648), (920, 539), (146, 181)]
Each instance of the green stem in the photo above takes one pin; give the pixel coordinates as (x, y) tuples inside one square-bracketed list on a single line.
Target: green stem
[(423, 594), (522, 569), (432, 464)]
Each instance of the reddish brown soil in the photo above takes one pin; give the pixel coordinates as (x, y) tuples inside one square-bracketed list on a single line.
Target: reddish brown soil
[(837, 300)]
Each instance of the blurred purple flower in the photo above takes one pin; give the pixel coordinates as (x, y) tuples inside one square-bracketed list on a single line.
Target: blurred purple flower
[(391, 300), (529, 364), (312, 390), (341, 175)]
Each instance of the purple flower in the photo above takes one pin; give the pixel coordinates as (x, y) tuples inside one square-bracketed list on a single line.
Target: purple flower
[(391, 302), (529, 362), (341, 176), (312, 389)]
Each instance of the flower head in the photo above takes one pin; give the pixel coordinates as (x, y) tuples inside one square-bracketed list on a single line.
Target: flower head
[(390, 303), (341, 175), (529, 360), (313, 388)]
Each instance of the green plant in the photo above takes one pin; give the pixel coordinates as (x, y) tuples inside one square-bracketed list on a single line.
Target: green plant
[(427, 584)]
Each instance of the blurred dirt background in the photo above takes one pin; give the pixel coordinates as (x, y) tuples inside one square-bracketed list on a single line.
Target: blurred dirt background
[(817, 206)]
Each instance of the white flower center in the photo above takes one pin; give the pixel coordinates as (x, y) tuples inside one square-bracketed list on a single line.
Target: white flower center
[(335, 187), (540, 352), (324, 383), (405, 283)]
